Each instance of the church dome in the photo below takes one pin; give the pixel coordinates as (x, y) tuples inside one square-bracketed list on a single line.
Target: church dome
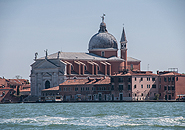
[(103, 39)]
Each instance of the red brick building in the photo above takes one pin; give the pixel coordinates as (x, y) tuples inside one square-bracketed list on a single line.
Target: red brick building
[(90, 89), (12, 89), (171, 85), (134, 85)]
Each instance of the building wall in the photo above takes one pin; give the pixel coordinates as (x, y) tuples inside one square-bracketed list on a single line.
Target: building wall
[(142, 87), (133, 65), (165, 87), (179, 86), (120, 85), (107, 53), (40, 74)]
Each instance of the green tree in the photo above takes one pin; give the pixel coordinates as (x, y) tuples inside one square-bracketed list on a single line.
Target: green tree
[(156, 97)]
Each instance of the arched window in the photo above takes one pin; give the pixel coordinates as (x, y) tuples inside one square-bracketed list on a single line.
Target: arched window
[(85, 67), (47, 84), (72, 67)]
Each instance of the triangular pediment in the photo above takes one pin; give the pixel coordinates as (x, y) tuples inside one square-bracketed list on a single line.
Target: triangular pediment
[(47, 74), (45, 64)]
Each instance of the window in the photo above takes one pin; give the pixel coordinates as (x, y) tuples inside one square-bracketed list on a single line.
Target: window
[(153, 79), (129, 88), (135, 78), (112, 79), (120, 79), (141, 94), (112, 87), (176, 78), (141, 86), (164, 79), (173, 79), (172, 94), (76, 89), (159, 79), (160, 86), (148, 78), (135, 94), (154, 86), (141, 78), (129, 94), (149, 86), (169, 79), (165, 88), (169, 87), (129, 79), (120, 87), (134, 86), (71, 67), (173, 88), (102, 53), (131, 66)]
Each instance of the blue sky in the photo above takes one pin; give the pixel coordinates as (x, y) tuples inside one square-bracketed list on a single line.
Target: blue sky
[(155, 30)]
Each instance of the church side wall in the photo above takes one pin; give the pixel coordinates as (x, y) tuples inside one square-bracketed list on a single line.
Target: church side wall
[(133, 65)]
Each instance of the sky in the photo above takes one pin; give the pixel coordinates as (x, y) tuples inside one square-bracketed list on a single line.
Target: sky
[(155, 30)]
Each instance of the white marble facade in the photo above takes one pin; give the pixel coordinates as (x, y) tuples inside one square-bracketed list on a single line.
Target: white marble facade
[(46, 74)]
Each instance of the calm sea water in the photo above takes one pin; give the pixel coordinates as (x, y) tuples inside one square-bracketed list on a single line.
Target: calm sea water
[(141, 115)]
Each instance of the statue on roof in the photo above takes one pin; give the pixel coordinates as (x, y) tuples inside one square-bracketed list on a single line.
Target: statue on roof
[(46, 53), (58, 55), (103, 17), (36, 55)]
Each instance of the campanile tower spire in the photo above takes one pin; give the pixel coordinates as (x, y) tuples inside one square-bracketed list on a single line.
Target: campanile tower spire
[(123, 48)]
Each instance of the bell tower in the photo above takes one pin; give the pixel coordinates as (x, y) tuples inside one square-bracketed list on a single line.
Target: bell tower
[(123, 49)]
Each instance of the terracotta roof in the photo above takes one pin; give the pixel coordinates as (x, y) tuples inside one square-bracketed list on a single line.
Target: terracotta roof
[(172, 74), (3, 82), (137, 73), (87, 81), (77, 81), (103, 81), (25, 90), (51, 89), (26, 86), (17, 81)]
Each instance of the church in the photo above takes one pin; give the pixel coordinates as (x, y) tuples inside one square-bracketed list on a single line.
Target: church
[(100, 61)]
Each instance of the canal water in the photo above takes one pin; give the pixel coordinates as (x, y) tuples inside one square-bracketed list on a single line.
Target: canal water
[(125, 115)]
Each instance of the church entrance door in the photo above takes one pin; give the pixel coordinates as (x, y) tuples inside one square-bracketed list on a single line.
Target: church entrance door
[(47, 84)]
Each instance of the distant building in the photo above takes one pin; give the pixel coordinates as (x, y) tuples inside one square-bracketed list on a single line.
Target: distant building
[(12, 89), (171, 85), (127, 86), (102, 60), (135, 85), (86, 89)]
